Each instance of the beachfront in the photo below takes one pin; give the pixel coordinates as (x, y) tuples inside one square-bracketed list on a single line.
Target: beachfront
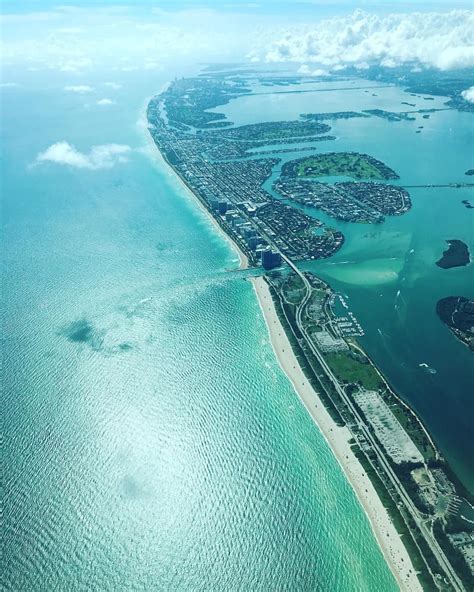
[(338, 438)]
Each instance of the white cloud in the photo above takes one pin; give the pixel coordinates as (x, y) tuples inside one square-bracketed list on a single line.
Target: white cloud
[(105, 102), (8, 84), (73, 65), (104, 156), (151, 65), (304, 69), (441, 40), (127, 36), (307, 71), (79, 88), (113, 85), (468, 94)]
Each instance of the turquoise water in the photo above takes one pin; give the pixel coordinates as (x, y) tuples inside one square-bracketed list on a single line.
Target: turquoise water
[(151, 440), (388, 271)]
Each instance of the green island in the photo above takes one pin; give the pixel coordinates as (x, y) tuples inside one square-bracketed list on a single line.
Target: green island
[(339, 164), (390, 115), (457, 312), (279, 130), (470, 172), (456, 255), (332, 116), (412, 479)]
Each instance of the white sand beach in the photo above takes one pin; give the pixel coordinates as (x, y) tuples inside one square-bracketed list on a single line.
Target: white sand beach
[(338, 438)]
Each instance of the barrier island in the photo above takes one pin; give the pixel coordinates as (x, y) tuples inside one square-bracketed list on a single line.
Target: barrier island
[(398, 473)]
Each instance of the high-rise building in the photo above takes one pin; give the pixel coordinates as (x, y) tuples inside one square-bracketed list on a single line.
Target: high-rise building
[(270, 259), (252, 242)]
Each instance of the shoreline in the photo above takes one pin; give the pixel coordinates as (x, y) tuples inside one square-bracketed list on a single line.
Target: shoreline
[(159, 158), (337, 438)]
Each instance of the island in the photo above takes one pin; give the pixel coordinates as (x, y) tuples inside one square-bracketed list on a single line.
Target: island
[(391, 460), (457, 312), (456, 255), (389, 115), (470, 172), (350, 201), (333, 116), (338, 164)]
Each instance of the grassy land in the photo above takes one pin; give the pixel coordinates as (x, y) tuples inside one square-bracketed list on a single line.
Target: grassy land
[(293, 289), (348, 369), (357, 166), (306, 360)]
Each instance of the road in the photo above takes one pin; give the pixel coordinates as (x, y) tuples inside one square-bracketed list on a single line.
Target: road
[(380, 454)]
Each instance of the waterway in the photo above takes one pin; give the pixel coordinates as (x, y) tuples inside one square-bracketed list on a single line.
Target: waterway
[(151, 441), (388, 271)]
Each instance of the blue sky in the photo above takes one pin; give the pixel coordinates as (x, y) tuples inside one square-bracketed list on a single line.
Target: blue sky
[(76, 37), (266, 6)]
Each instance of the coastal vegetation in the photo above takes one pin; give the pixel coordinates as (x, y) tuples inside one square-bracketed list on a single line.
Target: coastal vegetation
[(457, 312), (351, 369), (339, 164), (456, 255), (276, 130), (390, 115), (188, 101), (333, 116)]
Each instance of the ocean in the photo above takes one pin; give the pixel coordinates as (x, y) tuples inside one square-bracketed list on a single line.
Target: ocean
[(151, 441)]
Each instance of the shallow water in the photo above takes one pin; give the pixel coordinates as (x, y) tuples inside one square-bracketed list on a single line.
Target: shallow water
[(151, 439)]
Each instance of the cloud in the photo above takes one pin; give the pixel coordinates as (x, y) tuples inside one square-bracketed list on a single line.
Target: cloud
[(79, 88), (307, 71), (468, 94), (105, 102), (127, 36), (113, 85), (8, 84), (440, 40), (104, 156), (74, 65)]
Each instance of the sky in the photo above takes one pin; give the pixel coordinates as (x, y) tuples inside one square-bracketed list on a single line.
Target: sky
[(317, 35), (72, 45)]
